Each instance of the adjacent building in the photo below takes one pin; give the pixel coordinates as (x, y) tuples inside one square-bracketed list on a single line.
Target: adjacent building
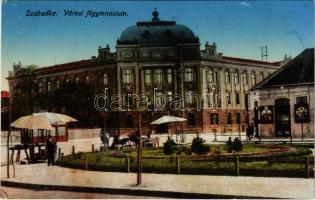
[(5, 107), (284, 101), (162, 60)]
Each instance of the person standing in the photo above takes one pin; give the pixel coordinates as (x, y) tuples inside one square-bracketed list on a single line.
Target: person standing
[(51, 150), (106, 139), (252, 130)]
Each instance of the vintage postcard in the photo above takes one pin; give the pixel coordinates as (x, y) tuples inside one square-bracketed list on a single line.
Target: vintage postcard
[(157, 99)]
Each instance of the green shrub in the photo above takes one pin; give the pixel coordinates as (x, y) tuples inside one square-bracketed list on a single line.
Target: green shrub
[(237, 145), (206, 148), (168, 147), (199, 147), (229, 145)]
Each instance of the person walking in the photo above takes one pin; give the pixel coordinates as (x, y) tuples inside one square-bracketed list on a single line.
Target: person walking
[(250, 131), (51, 150)]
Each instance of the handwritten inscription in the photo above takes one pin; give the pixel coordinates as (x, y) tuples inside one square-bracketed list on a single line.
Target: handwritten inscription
[(75, 13), (39, 13)]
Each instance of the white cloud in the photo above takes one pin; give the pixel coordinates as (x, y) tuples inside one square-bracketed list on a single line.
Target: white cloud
[(245, 4)]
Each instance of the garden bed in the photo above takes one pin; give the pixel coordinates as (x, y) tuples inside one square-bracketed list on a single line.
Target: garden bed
[(255, 160)]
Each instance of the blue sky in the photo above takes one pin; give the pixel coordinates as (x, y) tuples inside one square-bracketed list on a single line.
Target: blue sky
[(239, 28)]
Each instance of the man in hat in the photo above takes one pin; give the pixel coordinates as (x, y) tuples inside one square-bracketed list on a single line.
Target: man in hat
[(51, 150)]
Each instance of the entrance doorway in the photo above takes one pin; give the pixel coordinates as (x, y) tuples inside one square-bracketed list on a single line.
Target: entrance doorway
[(282, 116)]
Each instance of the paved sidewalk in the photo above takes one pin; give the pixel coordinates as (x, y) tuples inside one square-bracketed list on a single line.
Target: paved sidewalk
[(166, 185)]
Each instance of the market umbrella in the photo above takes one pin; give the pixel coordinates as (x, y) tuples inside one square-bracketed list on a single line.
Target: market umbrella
[(167, 119), (32, 122), (55, 118)]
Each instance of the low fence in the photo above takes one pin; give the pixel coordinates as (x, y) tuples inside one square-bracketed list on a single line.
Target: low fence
[(205, 165)]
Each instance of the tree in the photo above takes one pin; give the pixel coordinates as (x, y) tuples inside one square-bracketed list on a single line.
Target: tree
[(26, 87)]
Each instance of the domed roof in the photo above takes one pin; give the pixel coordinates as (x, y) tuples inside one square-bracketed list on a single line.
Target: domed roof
[(157, 33)]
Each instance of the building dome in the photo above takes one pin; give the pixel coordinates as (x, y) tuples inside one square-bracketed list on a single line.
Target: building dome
[(157, 33)]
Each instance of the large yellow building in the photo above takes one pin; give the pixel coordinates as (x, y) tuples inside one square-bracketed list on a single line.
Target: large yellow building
[(162, 60)]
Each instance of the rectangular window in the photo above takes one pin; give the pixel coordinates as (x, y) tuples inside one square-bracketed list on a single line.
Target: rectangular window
[(246, 101), (147, 77), (238, 118), (158, 76), (191, 119), (214, 98), (302, 99), (189, 97), (237, 98), (127, 76), (58, 84), (210, 76), (169, 77), (229, 119), (228, 98), (105, 79), (189, 75), (214, 119)]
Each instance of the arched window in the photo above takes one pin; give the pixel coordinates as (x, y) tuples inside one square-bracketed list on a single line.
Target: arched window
[(237, 77), (254, 79), (227, 77), (58, 84), (40, 87), (49, 86), (245, 76), (261, 76)]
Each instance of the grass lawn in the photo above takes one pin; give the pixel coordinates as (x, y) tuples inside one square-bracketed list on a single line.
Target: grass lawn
[(155, 161)]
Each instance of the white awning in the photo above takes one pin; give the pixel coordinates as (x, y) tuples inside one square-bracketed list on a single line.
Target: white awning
[(167, 119)]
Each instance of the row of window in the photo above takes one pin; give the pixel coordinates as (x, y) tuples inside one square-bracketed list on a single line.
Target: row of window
[(159, 76), (47, 86), (190, 76), (214, 119), (213, 77), (237, 98)]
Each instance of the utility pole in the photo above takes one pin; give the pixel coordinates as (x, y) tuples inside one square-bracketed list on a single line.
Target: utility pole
[(264, 53), (139, 153), (8, 139)]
